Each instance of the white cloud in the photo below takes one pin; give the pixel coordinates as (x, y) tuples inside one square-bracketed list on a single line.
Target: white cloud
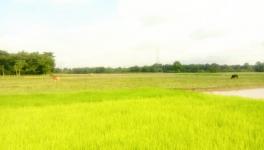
[(205, 34), (191, 31), (53, 2), (68, 2)]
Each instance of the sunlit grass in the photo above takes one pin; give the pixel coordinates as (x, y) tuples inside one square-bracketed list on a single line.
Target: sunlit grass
[(149, 114), (95, 82)]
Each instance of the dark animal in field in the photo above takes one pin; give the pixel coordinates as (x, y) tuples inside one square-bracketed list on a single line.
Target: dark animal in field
[(234, 76)]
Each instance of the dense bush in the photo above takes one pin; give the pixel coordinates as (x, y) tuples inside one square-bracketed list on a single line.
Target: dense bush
[(26, 63)]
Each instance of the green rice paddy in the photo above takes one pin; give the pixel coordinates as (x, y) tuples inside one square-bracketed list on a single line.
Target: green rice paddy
[(129, 111)]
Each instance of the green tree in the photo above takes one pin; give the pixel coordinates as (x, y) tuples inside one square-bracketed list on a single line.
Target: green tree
[(26, 63), (19, 64), (259, 67), (157, 67), (214, 67), (46, 63), (4, 61), (2, 68), (247, 67), (177, 66)]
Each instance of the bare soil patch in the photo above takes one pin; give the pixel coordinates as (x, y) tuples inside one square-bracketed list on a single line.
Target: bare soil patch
[(250, 93)]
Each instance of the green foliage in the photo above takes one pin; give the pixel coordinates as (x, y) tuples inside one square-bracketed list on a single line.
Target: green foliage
[(176, 67), (259, 67), (26, 63), (19, 65)]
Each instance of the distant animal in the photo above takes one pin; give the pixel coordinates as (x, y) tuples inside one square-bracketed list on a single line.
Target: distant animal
[(55, 78), (234, 76)]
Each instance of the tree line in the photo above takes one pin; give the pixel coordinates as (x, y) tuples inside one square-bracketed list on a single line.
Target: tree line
[(44, 63), (26, 63), (176, 67)]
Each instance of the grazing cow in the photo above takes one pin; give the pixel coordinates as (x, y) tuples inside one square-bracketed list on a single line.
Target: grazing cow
[(55, 78), (234, 76)]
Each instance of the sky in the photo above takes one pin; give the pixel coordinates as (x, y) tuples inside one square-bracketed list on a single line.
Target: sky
[(115, 33)]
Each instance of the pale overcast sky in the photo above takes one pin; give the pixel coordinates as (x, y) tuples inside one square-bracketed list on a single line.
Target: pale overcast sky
[(130, 32)]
